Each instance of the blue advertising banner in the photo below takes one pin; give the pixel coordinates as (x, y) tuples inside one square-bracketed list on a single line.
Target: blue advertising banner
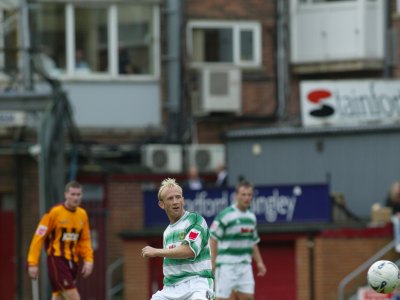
[(271, 204)]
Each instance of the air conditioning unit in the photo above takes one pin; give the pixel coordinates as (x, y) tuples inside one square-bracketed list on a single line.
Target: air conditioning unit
[(206, 157), (218, 90), (9, 4), (162, 158)]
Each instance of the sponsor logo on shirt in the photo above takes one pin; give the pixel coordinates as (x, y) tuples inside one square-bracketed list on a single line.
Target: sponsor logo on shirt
[(246, 230), (69, 237), (193, 235)]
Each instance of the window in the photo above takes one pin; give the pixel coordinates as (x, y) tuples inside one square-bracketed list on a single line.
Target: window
[(98, 40), (237, 43), (9, 42), (135, 40)]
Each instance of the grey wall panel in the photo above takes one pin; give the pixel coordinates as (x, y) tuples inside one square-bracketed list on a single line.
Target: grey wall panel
[(362, 166), (115, 104)]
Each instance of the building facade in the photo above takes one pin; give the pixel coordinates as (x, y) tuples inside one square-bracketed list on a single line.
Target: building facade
[(155, 86)]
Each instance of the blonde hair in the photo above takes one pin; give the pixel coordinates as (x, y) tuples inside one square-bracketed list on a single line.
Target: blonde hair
[(167, 184)]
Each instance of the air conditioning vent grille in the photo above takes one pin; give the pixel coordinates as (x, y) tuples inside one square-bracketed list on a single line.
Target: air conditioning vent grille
[(160, 158), (219, 83), (206, 157), (203, 159)]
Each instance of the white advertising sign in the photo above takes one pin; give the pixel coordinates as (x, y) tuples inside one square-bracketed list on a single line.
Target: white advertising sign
[(350, 102), (12, 118)]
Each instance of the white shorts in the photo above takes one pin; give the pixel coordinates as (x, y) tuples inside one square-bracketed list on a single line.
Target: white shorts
[(198, 288), (237, 277)]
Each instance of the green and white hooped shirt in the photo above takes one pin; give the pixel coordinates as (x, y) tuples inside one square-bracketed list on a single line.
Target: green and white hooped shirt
[(192, 229), (236, 233)]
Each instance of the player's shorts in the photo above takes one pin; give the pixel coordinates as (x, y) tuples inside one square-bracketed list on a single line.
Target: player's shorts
[(237, 277), (62, 273), (198, 288)]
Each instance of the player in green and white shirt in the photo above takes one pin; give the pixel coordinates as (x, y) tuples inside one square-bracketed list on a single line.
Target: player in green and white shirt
[(186, 251), (233, 243)]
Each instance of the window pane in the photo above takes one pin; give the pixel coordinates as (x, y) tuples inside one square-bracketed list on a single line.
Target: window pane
[(91, 40), (135, 39), (246, 45), (8, 56), (50, 20), (213, 45)]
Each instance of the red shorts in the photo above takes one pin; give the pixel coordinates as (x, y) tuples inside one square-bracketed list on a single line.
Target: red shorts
[(62, 273)]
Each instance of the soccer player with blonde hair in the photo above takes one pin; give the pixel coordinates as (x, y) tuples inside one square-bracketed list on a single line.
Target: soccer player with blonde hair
[(186, 251)]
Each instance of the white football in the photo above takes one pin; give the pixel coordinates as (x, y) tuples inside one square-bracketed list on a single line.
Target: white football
[(383, 276)]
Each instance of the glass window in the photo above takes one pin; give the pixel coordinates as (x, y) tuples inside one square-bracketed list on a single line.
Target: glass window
[(91, 40), (246, 45), (225, 42), (8, 58), (98, 39), (135, 39), (50, 21), (213, 45)]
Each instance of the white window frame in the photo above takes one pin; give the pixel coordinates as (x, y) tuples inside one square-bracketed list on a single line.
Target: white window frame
[(236, 27), (112, 19)]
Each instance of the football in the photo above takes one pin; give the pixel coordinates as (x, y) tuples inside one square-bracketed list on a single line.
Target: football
[(383, 276)]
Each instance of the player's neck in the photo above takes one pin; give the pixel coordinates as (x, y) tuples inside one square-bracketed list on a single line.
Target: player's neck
[(173, 220), (69, 207)]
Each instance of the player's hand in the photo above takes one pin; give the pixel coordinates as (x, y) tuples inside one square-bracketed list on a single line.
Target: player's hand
[(262, 270), (87, 269), (33, 272), (149, 252)]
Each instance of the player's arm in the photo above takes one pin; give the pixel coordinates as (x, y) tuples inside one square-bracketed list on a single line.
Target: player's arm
[(217, 231), (213, 249), (85, 250), (262, 270), (181, 252), (42, 231)]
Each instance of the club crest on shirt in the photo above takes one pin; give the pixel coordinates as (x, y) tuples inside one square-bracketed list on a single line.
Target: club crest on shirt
[(41, 230), (193, 235), (181, 235)]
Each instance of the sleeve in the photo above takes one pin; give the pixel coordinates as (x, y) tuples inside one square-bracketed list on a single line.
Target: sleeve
[(217, 229), (197, 235), (256, 237), (42, 231), (84, 247)]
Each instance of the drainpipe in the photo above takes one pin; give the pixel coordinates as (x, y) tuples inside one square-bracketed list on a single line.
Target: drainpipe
[(388, 38), (282, 57), (174, 16), (25, 46)]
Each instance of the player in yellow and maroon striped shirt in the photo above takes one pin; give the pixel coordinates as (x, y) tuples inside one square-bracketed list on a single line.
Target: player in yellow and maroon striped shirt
[(65, 231)]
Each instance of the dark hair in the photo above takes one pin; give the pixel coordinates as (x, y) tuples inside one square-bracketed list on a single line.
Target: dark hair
[(72, 184), (243, 183)]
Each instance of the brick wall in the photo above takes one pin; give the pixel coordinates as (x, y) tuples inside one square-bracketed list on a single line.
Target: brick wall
[(136, 271), (336, 258), (302, 269), (125, 213)]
